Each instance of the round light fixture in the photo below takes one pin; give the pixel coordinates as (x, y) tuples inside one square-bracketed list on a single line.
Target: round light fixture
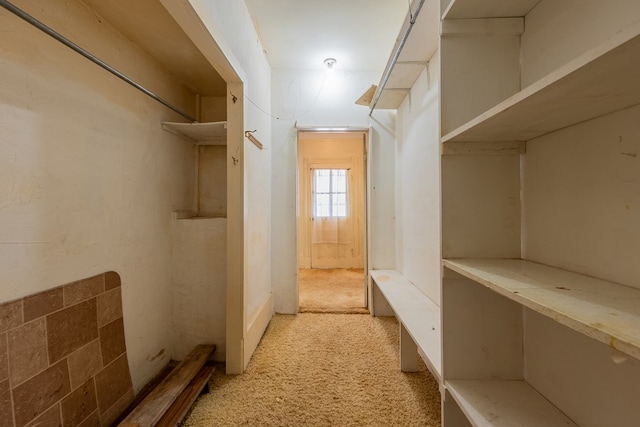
[(330, 62)]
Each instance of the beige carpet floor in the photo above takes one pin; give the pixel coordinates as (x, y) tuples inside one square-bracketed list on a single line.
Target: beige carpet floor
[(323, 370), (336, 290)]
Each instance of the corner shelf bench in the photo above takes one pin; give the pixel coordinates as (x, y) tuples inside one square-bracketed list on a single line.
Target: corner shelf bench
[(419, 319), (602, 310)]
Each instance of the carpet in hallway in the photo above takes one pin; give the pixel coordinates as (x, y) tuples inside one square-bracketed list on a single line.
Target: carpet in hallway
[(323, 370), (334, 290)]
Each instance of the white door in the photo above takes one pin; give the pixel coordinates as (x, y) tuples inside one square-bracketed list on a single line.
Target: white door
[(332, 234)]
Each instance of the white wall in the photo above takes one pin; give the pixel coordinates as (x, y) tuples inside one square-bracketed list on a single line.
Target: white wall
[(308, 98), (237, 33), (418, 184), (88, 179), (198, 293)]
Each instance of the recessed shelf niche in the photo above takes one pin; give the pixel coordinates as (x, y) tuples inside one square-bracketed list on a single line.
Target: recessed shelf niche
[(210, 141)]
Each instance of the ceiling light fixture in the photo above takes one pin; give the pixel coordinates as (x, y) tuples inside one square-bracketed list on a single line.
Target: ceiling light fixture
[(330, 62)]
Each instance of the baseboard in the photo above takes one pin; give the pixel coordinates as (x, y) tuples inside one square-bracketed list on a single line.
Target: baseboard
[(256, 329)]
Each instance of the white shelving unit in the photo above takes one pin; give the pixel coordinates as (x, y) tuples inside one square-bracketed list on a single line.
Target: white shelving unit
[(539, 139), (515, 331), (212, 133)]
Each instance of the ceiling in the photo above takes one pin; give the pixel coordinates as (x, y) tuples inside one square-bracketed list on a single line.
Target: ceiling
[(300, 34), (295, 34)]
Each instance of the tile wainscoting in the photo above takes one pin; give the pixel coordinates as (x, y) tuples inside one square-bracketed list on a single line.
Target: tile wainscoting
[(63, 359)]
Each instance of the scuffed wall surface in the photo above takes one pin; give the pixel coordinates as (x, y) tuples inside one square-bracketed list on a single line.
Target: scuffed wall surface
[(310, 99), (199, 260), (88, 179)]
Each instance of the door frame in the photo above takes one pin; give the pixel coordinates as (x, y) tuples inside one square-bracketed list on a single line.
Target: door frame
[(365, 131)]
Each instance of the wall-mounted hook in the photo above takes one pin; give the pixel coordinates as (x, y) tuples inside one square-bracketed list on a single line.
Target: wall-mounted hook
[(249, 135)]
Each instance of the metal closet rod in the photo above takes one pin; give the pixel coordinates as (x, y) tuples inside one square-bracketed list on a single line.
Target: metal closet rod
[(65, 41), (396, 55)]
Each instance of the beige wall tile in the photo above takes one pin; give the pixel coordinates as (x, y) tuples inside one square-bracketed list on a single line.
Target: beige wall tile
[(112, 341), (4, 357), (85, 363), (6, 412), (92, 420), (79, 405), (111, 280), (51, 418), (109, 306), (71, 328), (112, 383), (83, 290), (117, 409), (35, 396), (42, 304), (10, 315), (27, 351)]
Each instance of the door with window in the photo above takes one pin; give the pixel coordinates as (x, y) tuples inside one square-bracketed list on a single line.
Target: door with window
[(331, 188), (331, 225)]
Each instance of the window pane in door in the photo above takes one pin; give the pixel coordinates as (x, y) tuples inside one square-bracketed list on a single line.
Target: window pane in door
[(329, 193)]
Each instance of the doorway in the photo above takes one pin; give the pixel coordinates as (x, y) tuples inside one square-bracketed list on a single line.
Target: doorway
[(331, 223)]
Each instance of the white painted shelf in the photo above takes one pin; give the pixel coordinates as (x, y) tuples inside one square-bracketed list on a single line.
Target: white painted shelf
[(605, 311), (420, 315), (601, 81), (212, 133), (419, 47), (472, 9), (505, 404)]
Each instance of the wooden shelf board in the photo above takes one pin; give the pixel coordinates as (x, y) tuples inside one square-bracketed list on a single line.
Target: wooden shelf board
[(416, 311), (405, 75), (391, 99), (470, 9), (419, 47), (505, 404), (423, 40), (605, 311), (599, 82), (213, 133)]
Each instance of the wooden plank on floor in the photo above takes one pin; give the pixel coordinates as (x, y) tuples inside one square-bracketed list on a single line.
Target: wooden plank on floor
[(183, 403), (152, 408)]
